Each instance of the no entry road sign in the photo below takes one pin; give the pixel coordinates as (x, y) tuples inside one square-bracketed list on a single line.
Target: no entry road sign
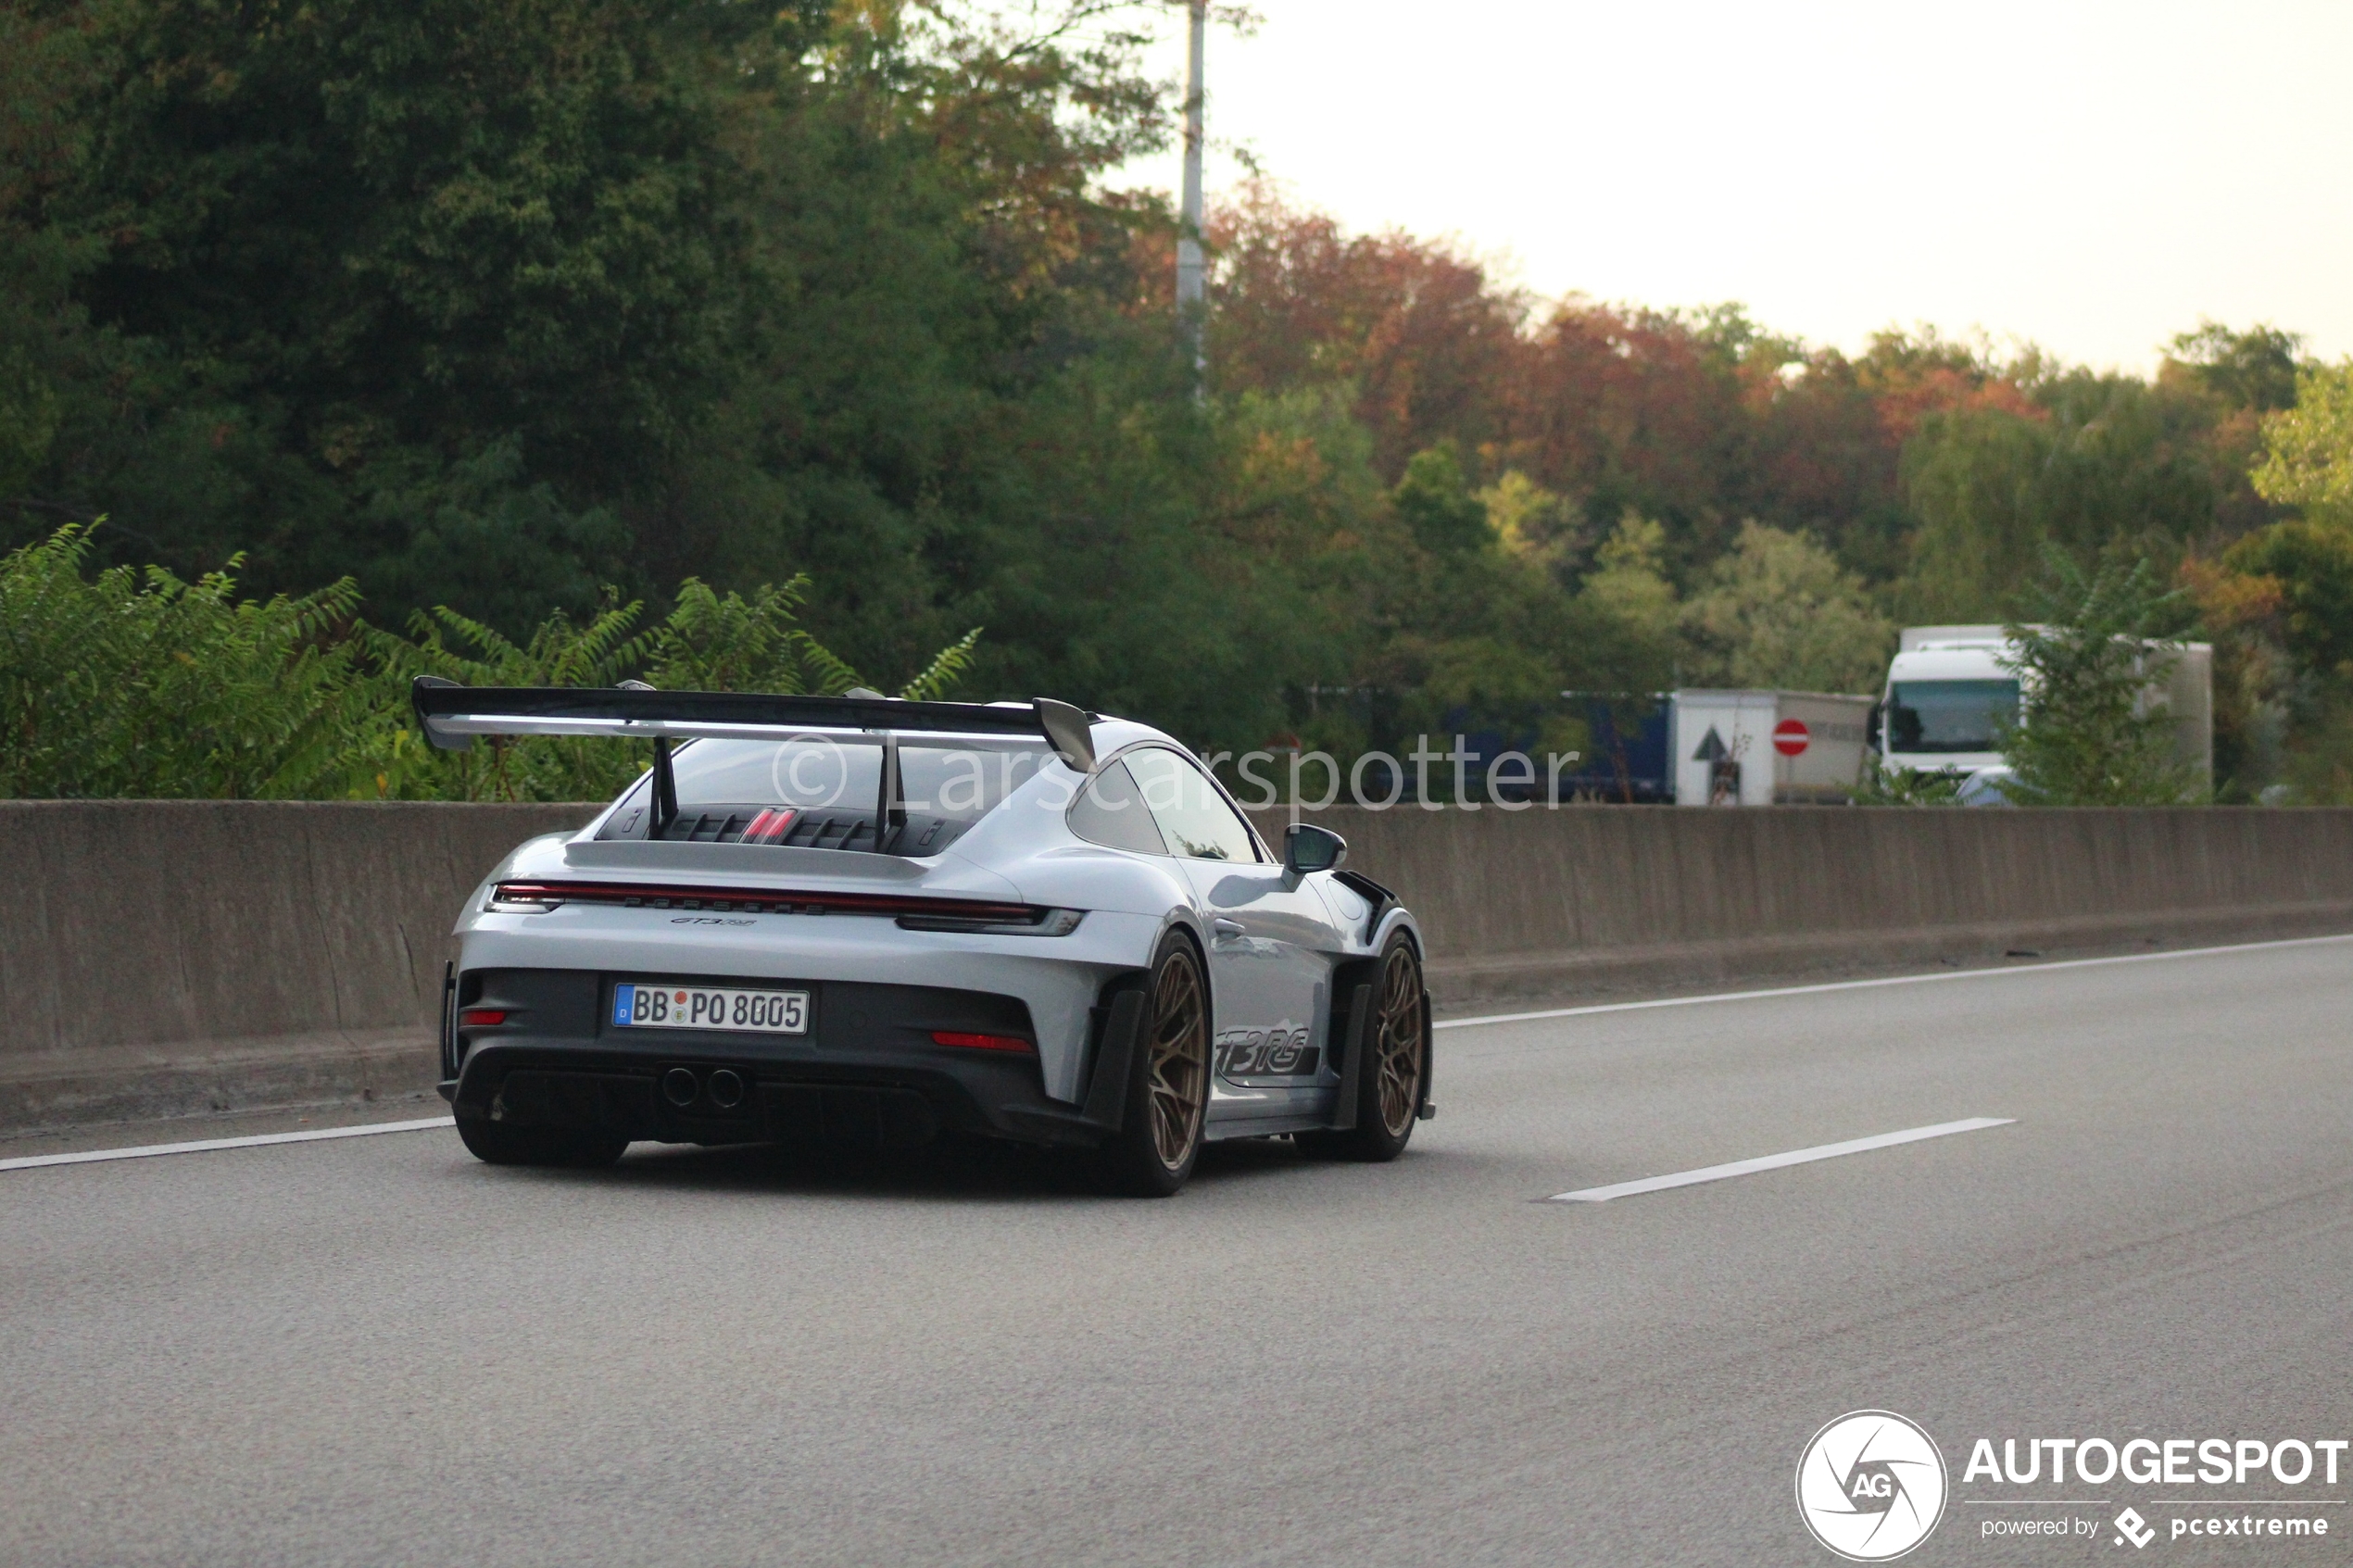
[(1790, 737)]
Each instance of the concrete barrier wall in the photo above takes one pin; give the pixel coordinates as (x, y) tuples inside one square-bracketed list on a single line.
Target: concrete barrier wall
[(1538, 902), (162, 957)]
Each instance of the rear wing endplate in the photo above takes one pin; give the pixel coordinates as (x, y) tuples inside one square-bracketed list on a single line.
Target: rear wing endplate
[(451, 715)]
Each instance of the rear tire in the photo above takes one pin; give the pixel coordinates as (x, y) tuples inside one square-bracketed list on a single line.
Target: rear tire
[(1167, 1101), (502, 1143), (1389, 1086)]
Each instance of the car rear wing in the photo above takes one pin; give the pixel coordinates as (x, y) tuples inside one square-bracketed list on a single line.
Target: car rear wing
[(451, 715)]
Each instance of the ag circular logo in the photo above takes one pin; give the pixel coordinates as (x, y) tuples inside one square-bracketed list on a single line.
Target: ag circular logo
[(1870, 1486)]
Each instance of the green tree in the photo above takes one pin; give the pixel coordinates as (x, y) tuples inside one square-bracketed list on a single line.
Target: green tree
[(2280, 604), (2088, 734), (1779, 612), (1435, 501), (2303, 573), (1970, 477), (2255, 369), (1631, 617), (1533, 523), (1468, 635), (2096, 460), (2242, 378), (493, 304), (363, 322), (2308, 455)]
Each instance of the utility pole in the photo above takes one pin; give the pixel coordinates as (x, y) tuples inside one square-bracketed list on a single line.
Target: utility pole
[(1192, 307)]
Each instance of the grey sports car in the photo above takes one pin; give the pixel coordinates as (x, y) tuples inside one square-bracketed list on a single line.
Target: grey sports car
[(858, 922)]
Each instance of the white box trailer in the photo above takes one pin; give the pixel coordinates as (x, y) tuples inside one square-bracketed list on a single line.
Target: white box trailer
[(1760, 749)]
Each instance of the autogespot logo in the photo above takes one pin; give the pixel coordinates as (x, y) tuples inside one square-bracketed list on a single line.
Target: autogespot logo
[(1870, 1486)]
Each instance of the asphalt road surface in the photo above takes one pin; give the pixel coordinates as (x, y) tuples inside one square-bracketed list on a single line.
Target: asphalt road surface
[(377, 1351)]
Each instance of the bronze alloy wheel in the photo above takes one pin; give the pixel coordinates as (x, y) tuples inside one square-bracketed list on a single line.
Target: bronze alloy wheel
[(1179, 1061), (1397, 1044), (1390, 1082)]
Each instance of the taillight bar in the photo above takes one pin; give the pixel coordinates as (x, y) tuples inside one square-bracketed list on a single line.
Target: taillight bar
[(769, 901), (970, 1041)]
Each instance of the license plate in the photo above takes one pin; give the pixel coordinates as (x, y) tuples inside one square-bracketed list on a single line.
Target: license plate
[(646, 1005)]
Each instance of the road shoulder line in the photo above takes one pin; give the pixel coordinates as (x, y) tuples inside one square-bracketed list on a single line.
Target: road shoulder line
[(206, 1145), (1777, 1161), (1823, 986)]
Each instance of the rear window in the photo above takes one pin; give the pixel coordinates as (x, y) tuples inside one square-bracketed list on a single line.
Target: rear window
[(1110, 811), (824, 792)]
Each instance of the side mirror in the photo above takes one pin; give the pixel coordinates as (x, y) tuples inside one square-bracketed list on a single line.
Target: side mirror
[(1309, 848)]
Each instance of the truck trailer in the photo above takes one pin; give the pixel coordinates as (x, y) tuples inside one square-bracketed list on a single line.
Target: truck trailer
[(1951, 689), (1766, 748)]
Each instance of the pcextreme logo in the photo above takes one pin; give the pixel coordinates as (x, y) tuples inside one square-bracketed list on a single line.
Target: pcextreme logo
[(1871, 1486)]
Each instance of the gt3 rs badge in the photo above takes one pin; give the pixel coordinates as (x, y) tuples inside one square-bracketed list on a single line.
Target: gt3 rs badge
[(1266, 1053)]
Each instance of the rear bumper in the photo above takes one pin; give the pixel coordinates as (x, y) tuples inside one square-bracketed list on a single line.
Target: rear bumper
[(867, 1074), (873, 1103), (1057, 979)]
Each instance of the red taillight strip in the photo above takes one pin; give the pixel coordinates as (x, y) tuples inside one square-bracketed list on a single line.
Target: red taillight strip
[(780, 899), (982, 1042)]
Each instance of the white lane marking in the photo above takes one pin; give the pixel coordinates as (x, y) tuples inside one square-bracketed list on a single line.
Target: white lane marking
[(1775, 1161), (1868, 985), (206, 1145)]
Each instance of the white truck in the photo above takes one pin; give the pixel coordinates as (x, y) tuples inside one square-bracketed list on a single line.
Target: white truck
[(1949, 691)]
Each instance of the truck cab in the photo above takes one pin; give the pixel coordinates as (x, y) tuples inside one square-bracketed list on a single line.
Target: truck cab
[(1947, 696)]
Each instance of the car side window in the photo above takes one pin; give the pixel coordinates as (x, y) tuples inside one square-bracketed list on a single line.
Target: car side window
[(1192, 813), (1110, 811)]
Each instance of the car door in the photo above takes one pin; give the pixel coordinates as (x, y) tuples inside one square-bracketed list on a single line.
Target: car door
[(1269, 968)]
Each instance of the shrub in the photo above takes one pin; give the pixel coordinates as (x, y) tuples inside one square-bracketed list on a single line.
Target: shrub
[(134, 682), (2087, 735)]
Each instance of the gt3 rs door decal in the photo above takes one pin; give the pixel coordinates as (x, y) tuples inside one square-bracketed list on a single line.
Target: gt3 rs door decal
[(1268, 1055)]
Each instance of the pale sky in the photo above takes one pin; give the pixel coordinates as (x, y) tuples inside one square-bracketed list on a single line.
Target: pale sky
[(2090, 176)]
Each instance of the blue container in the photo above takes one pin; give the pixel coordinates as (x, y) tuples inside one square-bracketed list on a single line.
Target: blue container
[(1627, 761)]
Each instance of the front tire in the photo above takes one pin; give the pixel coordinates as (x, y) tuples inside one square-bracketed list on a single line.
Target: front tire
[(1167, 1101), (503, 1143), (1388, 1085)]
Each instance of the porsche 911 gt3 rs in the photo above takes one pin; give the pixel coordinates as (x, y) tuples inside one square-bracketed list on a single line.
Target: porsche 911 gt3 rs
[(860, 922)]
